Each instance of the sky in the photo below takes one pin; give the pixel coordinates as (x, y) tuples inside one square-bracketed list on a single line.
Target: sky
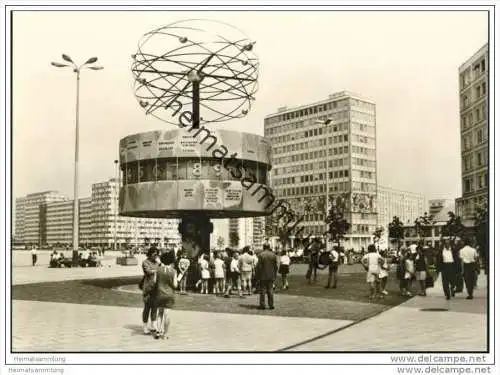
[(407, 62)]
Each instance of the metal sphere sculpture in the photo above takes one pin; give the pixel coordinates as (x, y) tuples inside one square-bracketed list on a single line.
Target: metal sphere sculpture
[(182, 65)]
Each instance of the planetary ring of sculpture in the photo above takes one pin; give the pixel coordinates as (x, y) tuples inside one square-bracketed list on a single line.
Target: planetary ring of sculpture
[(175, 61)]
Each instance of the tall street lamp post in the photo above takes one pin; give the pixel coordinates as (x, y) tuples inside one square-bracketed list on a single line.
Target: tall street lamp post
[(325, 123), (76, 69)]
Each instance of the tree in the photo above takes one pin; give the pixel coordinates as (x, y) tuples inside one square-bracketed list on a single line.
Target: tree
[(337, 225), (453, 227), (234, 239), (423, 225), (220, 242), (283, 236), (378, 234), (396, 231), (481, 229)]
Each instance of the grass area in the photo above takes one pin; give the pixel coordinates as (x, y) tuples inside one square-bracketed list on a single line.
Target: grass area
[(349, 301)]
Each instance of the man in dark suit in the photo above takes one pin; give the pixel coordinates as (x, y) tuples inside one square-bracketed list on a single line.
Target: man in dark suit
[(314, 249), (447, 263), (266, 269)]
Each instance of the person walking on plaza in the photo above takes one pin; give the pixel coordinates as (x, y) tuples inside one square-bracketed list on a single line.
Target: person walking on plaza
[(401, 270), (246, 266), (205, 273), (183, 267), (164, 298), (372, 262), (267, 267), (218, 274), (34, 256), (421, 269), (148, 286), (312, 269), (446, 265), (333, 267), (254, 279), (409, 274), (469, 257), (284, 269), (234, 276), (384, 273)]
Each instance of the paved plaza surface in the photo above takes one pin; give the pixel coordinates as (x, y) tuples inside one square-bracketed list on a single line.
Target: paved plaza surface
[(209, 323)]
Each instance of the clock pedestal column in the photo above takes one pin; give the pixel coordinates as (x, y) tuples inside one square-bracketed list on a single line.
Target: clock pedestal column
[(195, 231)]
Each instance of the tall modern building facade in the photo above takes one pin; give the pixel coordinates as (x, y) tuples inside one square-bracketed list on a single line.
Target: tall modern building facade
[(473, 81), (250, 231), (59, 219), (303, 145), (403, 204), (47, 219), (30, 217), (19, 219)]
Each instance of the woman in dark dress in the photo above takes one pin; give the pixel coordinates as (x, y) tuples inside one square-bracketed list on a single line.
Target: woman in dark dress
[(165, 295)]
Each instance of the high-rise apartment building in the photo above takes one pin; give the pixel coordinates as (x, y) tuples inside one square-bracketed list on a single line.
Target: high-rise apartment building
[(220, 230), (31, 221), (302, 148), (59, 219), (405, 205), (473, 82), (250, 231), (19, 219), (47, 218), (129, 230)]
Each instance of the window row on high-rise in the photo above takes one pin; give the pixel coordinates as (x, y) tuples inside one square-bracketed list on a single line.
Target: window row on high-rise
[(364, 186), (472, 95), (364, 128), (364, 162), (361, 116), (474, 160), (313, 189), (318, 131), (474, 138), (474, 116), (311, 144), (363, 150), (312, 110), (363, 139), (310, 177), (310, 166), (311, 155), (362, 174), (470, 75), (478, 181)]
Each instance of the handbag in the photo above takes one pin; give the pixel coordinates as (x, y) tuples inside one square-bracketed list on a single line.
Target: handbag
[(429, 281)]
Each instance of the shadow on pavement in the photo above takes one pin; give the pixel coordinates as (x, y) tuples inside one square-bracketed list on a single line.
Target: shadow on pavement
[(135, 328)]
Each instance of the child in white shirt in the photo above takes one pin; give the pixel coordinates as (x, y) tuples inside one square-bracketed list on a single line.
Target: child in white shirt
[(372, 261), (284, 269)]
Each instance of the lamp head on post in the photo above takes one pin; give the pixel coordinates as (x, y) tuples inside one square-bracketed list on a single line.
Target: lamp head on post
[(76, 69)]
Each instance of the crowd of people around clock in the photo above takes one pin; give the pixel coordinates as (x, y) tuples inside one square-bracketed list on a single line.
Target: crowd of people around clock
[(415, 267), (224, 273)]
